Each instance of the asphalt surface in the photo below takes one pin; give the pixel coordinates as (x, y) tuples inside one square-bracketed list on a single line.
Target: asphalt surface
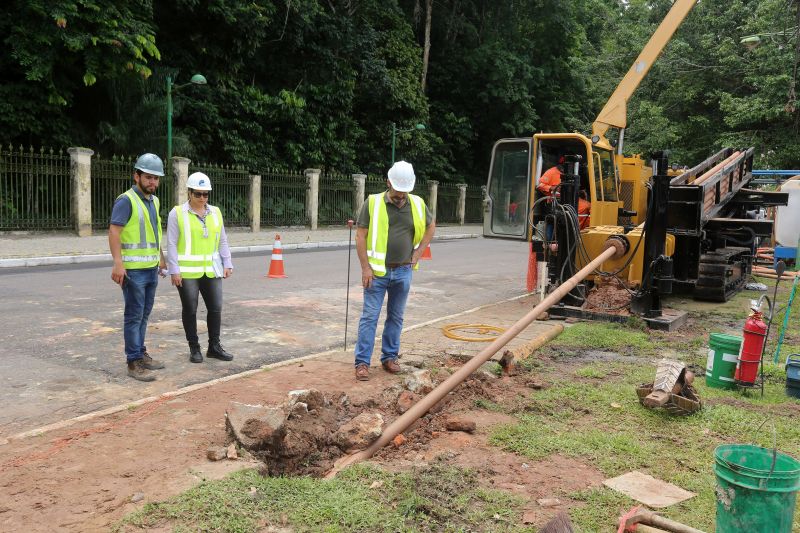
[(61, 349)]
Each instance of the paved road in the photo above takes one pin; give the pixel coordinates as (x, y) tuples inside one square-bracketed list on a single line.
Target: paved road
[(61, 351)]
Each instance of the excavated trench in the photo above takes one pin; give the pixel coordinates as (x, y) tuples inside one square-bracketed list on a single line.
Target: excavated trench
[(311, 429)]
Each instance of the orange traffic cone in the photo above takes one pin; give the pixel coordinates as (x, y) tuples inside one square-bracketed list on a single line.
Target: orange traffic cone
[(276, 265), (426, 253)]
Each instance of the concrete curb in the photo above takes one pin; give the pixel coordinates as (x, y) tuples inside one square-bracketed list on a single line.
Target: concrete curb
[(18, 262), (197, 386)]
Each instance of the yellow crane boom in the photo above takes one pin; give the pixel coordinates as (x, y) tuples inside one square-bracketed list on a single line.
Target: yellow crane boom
[(614, 114)]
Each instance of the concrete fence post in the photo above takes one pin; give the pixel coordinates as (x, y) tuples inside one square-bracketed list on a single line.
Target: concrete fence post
[(254, 206), (180, 174), (461, 210), (312, 196), (81, 177), (433, 193), (360, 183)]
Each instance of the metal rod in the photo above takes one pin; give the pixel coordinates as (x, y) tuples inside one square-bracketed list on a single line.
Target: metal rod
[(347, 297), (443, 389)]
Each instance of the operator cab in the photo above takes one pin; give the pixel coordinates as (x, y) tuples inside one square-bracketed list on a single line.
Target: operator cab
[(511, 209)]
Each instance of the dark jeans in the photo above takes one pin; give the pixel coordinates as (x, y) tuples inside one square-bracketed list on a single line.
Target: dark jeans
[(139, 291), (211, 289)]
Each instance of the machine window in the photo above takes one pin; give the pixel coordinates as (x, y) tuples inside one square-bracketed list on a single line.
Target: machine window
[(508, 188)]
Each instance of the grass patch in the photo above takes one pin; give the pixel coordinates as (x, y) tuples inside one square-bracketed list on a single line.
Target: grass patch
[(434, 498), (604, 336), (603, 425)]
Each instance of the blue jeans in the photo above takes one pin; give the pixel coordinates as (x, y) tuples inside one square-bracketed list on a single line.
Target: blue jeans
[(139, 292), (396, 284)]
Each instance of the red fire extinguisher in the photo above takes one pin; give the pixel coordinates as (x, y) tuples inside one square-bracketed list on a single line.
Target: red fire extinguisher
[(754, 335)]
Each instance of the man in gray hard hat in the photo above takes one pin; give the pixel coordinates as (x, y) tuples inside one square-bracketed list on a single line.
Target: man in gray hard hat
[(394, 228), (134, 237)]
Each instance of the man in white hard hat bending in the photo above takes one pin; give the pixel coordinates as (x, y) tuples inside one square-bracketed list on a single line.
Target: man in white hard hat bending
[(394, 228), (134, 237)]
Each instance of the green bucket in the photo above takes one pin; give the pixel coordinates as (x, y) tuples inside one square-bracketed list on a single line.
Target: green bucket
[(753, 494), (723, 353)]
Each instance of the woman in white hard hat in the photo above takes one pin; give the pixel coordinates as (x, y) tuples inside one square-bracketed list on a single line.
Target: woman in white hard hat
[(198, 258)]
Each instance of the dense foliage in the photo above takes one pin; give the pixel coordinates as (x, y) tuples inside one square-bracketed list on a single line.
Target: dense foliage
[(303, 83)]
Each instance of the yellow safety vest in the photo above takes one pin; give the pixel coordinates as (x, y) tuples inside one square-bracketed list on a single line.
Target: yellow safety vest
[(378, 231), (138, 237), (196, 252)]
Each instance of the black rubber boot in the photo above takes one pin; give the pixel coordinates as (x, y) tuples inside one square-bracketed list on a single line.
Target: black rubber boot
[(216, 351), (195, 354)]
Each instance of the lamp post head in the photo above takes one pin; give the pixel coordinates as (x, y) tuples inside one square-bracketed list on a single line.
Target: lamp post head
[(198, 79), (751, 41)]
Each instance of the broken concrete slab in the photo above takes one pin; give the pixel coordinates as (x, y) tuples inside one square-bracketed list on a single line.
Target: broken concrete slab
[(360, 432), (648, 490), (255, 426), (419, 381)]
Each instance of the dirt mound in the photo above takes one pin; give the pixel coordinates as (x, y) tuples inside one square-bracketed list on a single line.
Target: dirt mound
[(609, 297)]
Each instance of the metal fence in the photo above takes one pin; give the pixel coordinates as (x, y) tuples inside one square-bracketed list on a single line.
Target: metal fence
[(230, 191), (36, 188), (473, 208), (336, 199), (35, 191), (283, 198), (447, 203), (110, 178)]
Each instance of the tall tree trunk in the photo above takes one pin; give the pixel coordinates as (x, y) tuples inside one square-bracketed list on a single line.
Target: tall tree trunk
[(427, 50)]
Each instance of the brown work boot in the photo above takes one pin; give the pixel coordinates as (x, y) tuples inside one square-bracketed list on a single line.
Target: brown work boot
[(362, 372), (136, 370), (151, 364), (391, 366)]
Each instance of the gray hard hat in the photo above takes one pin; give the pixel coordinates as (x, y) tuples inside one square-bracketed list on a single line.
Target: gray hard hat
[(151, 164)]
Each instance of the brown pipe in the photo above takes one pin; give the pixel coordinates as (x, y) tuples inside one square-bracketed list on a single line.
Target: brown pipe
[(716, 168), (443, 389), (644, 516)]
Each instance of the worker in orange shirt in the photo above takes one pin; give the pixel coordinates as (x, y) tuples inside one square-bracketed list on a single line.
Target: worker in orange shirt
[(584, 210), (551, 179)]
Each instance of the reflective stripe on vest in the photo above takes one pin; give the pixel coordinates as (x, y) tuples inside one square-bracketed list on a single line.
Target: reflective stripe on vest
[(195, 252), (378, 231), (138, 238)]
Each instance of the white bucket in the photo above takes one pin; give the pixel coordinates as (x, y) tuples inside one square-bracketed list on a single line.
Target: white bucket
[(787, 218)]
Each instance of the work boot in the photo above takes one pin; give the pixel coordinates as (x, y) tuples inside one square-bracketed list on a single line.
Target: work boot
[(195, 354), (137, 371), (151, 364), (391, 366), (216, 351), (362, 372)]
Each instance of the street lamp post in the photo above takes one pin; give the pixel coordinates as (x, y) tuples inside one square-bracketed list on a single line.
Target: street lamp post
[(197, 79), (395, 131)]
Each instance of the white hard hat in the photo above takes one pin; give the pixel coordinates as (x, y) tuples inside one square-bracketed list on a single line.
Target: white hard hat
[(402, 177), (199, 182)]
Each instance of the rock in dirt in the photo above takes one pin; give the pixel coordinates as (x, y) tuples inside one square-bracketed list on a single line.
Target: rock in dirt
[(231, 452), (216, 453), (360, 432), (417, 361), (313, 398), (548, 502), (137, 497), (255, 426), (399, 440), (419, 382), (460, 423), (405, 401), (528, 517)]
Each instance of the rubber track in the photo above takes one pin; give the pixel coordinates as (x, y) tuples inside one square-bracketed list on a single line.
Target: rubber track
[(722, 273)]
